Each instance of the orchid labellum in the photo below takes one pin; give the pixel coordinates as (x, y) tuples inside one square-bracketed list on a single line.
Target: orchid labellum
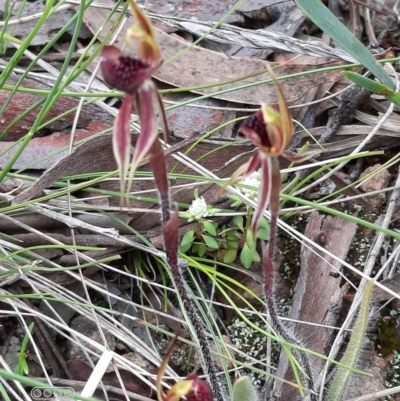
[(133, 76), (271, 131)]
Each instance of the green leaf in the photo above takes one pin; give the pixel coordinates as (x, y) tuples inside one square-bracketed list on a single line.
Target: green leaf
[(327, 21), (209, 227), (185, 215), (250, 240), (243, 390), (256, 257), (195, 247), (211, 210), (221, 254), (201, 250), (230, 255), (233, 237), (11, 39), (196, 193), (187, 239), (237, 204), (264, 223), (210, 242), (263, 234), (246, 256), (24, 365), (236, 201), (373, 86), (233, 244), (238, 221), (185, 248)]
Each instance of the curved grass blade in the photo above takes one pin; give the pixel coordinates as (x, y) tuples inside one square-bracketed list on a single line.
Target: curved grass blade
[(350, 357), (327, 21), (373, 86)]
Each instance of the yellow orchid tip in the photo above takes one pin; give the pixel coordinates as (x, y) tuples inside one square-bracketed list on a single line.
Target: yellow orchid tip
[(143, 36), (179, 390)]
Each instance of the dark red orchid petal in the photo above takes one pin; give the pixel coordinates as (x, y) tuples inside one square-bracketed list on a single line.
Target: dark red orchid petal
[(123, 73), (200, 390), (148, 127), (264, 194), (244, 171), (122, 140), (255, 129)]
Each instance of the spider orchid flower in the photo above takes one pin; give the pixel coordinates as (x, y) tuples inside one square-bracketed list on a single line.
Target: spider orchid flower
[(271, 131), (133, 76), (193, 388)]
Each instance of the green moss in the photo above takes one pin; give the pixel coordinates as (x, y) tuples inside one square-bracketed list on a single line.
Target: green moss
[(387, 337)]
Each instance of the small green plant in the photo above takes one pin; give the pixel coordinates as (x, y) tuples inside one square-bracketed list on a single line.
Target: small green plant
[(22, 365), (226, 240), (203, 236)]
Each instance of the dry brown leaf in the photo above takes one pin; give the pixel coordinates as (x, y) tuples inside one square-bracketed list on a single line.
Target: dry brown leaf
[(200, 66)]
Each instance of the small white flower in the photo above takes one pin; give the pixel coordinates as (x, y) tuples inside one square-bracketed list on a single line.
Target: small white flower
[(198, 208), (254, 181)]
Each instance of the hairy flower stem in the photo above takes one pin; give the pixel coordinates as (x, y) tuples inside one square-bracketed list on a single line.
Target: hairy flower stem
[(159, 167), (274, 205), (170, 233), (269, 268)]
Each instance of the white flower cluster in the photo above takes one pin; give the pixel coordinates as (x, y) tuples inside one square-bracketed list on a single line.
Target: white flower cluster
[(198, 208), (254, 181)]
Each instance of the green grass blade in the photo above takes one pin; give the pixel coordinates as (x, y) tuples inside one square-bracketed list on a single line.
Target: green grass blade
[(18, 54), (327, 21), (3, 393), (350, 357), (373, 86)]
